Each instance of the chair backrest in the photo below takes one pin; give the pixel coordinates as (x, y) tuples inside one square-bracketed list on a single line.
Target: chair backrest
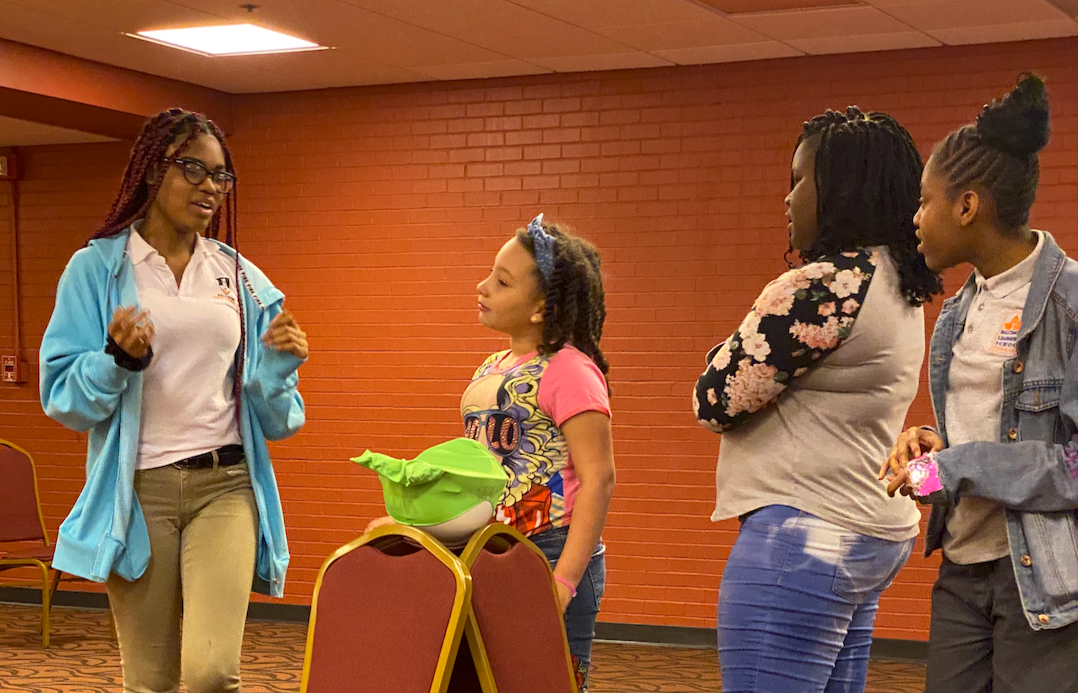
[(387, 616), (515, 607), (20, 508)]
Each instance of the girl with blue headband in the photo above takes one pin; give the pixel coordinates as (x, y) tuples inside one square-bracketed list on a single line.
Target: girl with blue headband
[(542, 408)]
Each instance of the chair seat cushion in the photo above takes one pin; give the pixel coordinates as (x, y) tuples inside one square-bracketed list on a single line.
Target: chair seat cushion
[(38, 551)]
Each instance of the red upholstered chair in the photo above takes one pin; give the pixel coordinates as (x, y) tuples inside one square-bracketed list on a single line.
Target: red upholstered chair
[(515, 632), (21, 521), (387, 616)]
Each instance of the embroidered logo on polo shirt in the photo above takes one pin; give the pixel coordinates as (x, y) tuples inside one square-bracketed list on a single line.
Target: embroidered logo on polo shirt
[(1006, 342), (225, 293)]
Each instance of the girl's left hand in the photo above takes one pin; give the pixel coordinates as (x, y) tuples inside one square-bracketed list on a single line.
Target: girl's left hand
[(379, 522), (564, 597), (284, 334)]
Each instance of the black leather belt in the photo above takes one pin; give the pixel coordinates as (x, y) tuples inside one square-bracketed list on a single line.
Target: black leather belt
[(221, 457)]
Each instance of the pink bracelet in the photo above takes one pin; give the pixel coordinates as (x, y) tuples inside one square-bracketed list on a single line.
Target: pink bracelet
[(572, 590)]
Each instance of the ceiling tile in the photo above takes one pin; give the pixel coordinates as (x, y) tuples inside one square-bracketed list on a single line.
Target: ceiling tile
[(495, 16), (814, 24), (949, 14), (113, 48), (122, 15), (332, 68), (405, 9), (537, 45), (1006, 32), (395, 43), (713, 31), (729, 54), (387, 41), (600, 14), (501, 68), (864, 44), (369, 35), (616, 61)]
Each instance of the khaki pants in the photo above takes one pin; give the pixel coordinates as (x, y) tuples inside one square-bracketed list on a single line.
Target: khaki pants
[(203, 532)]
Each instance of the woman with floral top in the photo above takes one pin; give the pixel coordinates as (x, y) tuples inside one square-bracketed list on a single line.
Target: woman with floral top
[(808, 393)]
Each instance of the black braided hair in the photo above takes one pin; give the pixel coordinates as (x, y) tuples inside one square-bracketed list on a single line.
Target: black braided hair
[(575, 308), (174, 126), (998, 153), (868, 183)]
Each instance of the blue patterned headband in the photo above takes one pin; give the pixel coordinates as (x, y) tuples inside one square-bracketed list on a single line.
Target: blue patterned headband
[(544, 247)]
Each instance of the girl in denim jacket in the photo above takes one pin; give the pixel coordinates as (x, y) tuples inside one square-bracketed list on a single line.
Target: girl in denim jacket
[(1002, 470)]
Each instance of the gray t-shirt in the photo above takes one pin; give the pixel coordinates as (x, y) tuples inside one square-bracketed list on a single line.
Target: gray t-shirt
[(819, 447)]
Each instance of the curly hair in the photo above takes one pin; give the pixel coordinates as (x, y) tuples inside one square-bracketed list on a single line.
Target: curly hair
[(868, 183), (575, 306), (999, 152)]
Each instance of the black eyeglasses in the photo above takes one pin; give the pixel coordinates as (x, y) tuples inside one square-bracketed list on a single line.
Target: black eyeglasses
[(195, 172)]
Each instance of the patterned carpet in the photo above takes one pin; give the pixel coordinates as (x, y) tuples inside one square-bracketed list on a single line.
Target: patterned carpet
[(84, 659)]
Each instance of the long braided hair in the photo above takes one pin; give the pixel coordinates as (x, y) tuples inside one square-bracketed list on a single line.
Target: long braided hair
[(142, 180), (999, 152), (575, 307), (147, 163), (868, 183)]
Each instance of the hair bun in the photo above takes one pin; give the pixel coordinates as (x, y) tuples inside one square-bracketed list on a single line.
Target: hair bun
[(1018, 123)]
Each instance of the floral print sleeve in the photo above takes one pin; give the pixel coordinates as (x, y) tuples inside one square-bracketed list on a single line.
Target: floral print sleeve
[(799, 318)]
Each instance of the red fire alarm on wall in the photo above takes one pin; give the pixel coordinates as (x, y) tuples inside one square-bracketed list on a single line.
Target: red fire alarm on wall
[(9, 370)]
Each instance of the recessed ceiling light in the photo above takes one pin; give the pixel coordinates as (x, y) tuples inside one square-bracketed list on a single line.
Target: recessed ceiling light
[(234, 39)]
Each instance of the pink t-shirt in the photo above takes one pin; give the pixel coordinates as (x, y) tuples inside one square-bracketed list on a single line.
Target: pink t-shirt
[(516, 410)]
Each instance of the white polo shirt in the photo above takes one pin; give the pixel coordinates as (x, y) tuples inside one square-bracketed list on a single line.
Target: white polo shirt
[(187, 403), (977, 528)]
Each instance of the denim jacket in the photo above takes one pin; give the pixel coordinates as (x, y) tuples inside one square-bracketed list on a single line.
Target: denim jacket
[(1033, 470)]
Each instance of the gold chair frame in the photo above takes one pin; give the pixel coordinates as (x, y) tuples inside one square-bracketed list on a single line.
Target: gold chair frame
[(461, 601)]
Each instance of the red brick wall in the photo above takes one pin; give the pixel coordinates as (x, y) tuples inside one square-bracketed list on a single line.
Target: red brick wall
[(378, 209)]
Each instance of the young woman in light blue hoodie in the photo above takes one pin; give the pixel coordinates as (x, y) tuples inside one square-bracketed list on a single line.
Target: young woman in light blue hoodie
[(177, 356)]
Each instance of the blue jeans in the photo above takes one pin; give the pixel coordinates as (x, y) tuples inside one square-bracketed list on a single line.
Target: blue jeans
[(797, 603), (583, 609)]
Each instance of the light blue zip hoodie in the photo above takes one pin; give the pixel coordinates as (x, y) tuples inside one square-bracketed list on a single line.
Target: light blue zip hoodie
[(84, 389)]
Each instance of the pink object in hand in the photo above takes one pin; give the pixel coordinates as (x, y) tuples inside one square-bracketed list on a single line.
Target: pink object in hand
[(924, 475)]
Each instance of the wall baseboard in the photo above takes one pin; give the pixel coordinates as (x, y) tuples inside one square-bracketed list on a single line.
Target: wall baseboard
[(704, 638)]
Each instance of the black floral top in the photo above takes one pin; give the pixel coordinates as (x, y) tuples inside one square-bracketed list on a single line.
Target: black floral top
[(799, 318)]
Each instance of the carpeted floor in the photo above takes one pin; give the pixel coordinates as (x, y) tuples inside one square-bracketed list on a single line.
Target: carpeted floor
[(84, 659)]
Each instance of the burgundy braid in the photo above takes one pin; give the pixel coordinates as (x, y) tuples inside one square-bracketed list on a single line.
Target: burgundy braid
[(231, 239), (176, 126)]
